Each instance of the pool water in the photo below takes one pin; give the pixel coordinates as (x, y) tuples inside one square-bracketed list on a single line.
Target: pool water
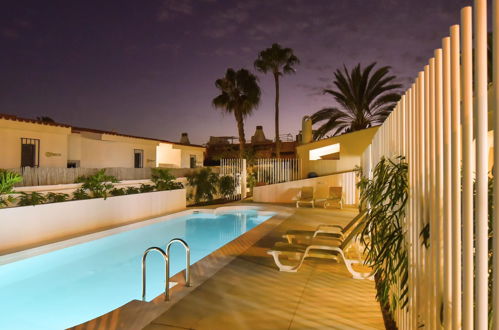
[(66, 287)]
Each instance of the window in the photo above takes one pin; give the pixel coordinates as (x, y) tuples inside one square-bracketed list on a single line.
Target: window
[(192, 161), (138, 159), (73, 163), (30, 152)]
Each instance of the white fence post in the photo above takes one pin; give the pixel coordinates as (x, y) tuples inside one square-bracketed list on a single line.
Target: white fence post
[(481, 161)]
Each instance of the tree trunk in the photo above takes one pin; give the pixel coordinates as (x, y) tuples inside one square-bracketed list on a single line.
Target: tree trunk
[(240, 129), (277, 140)]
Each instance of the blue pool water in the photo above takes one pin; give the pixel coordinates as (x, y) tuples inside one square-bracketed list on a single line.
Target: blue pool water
[(66, 287)]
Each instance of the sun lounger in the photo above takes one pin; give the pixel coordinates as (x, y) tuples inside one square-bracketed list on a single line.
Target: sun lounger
[(325, 231), (305, 196), (335, 197), (322, 248)]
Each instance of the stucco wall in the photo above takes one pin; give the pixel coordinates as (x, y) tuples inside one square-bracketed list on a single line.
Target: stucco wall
[(352, 145), (110, 151), (21, 227), (71, 187), (186, 152), (286, 192), (92, 149), (53, 143), (167, 156)]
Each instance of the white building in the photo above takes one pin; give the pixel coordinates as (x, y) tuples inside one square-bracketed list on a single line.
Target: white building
[(27, 142)]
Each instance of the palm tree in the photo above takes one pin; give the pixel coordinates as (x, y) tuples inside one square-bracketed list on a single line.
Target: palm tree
[(365, 99), (240, 95), (279, 61)]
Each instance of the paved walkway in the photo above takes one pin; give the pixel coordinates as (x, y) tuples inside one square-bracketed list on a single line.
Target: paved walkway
[(249, 293)]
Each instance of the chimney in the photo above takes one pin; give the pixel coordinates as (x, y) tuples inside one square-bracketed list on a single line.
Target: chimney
[(185, 139), (259, 136), (306, 130)]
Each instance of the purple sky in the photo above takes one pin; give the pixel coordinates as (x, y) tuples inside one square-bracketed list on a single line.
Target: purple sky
[(148, 67)]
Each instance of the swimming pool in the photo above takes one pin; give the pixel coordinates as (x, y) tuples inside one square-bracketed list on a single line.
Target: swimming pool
[(66, 287)]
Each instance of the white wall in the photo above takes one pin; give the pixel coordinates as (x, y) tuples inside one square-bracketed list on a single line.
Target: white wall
[(21, 227), (71, 187), (109, 151), (167, 156), (352, 145), (53, 143), (286, 192), (187, 151)]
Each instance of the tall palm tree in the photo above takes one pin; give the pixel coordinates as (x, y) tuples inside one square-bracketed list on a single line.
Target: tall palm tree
[(240, 95), (278, 61), (365, 98)]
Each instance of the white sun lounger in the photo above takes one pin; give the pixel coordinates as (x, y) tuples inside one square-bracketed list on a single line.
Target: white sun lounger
[(325, 231), (319, 248)]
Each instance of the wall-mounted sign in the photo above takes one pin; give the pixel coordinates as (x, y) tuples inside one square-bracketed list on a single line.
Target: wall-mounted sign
[(52, 154)]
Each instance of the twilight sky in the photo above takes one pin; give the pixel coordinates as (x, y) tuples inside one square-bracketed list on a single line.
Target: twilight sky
[(148, 67)]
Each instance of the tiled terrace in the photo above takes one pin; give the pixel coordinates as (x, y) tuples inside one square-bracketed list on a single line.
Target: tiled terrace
[(249, 292)]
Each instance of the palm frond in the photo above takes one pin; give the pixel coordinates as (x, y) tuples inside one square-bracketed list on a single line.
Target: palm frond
[(365, 97)]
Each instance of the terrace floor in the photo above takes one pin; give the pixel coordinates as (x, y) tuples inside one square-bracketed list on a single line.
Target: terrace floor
[(250, 293)]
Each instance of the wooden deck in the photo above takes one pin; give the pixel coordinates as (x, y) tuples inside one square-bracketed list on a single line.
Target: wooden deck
[(250, 293)]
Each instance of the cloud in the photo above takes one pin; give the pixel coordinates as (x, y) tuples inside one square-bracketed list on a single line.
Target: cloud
[(224, 52), (311, 90), (22, 23), (217, 32), (226, 22), (14, 30), (173, 48), (9, 33), (172, 8)]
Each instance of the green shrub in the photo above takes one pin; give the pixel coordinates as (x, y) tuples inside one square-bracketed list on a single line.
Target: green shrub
[(251, 180), (144, 188), (7, 181), (56, 197), (227, 186), (383, 233), (164, 180), (205, 183), (117, 192), (33, 198), (132, 190), (98, 184), (81, 193)]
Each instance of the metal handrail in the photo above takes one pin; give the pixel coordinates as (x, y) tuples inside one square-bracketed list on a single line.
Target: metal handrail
[(167, 270), (187, 263)]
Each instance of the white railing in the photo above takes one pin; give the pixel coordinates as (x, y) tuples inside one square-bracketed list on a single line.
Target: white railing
[(441, 126), (276, 170), (235, 168)]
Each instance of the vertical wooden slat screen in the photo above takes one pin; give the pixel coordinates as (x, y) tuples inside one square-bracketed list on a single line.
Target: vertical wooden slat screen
[(433, 127)]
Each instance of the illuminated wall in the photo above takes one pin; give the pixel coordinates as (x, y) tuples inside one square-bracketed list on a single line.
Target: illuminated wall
[(53, 143), (350, 146)]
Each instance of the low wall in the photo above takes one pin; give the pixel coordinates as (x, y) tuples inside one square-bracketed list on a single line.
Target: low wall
[(71, 187), (26, 226), (286, 192)]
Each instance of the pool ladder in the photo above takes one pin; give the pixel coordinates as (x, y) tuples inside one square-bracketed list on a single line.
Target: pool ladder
[(166, 258)]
